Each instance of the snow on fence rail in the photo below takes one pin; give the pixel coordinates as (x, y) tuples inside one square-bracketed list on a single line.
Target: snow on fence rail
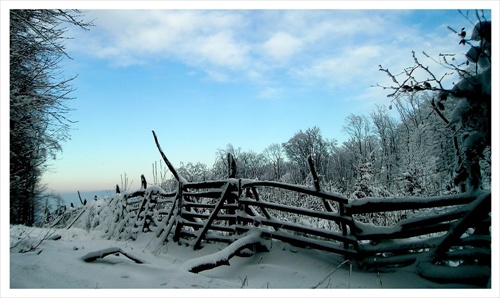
[(452, 229)]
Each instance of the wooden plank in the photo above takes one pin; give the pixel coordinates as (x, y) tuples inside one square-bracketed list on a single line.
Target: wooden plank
[(381, 233), (198, 205), (300, 228), (204, 194), (297, 210), (206, 216), (76, 218), (337, 197), (209, 206), (205, 184), (416, 222), (398, 246), (372, 205)]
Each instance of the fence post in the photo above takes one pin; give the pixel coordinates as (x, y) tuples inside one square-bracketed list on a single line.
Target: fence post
[(313, 173), (343, 225), (180, 201), (231, 166)]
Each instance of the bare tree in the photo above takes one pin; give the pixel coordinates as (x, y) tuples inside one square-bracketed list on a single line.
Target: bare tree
[(274, 155), (359, 130), (38, 92), (386, 128)]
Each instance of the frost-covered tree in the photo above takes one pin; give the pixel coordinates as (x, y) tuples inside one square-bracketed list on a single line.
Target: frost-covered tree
[(358, 128), (425, 150), (385, 127), (303, 144), (38, 92), (195, 172), (275, 159), (464, 107)]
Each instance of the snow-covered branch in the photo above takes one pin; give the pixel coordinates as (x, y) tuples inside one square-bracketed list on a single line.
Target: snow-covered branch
[(222, 257)]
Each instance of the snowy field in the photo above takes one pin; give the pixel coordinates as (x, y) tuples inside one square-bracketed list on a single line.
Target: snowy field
[(58, 263)]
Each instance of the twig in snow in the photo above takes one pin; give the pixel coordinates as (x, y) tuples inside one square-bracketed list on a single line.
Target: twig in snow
[(379, 280), (244, 282), (331, 274), (49, 235)]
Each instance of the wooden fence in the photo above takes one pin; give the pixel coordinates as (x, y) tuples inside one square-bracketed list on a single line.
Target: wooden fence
[(450, 232), (223, 210)]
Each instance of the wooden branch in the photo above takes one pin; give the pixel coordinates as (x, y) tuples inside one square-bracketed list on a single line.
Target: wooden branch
[(315, 177), (213, 215), (231, 166), (80, 197), (313, 173), (177, 176), (262, 208), (76, 218), (222, 257), (301, 241), (92, 256), (169, 221)]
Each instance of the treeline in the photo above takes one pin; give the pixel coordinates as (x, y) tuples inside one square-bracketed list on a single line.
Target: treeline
[(385, 155), (38, 111), (440, 141)]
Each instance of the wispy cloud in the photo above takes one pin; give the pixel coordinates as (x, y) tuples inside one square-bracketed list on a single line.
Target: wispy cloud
[(333, 48)]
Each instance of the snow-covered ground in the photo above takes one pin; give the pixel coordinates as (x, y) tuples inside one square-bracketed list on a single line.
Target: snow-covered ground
[(58, 263)]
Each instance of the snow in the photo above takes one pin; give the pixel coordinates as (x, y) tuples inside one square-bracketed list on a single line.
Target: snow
[(59, 264)]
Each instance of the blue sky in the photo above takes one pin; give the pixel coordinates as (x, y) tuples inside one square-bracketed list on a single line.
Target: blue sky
[(205, 78)]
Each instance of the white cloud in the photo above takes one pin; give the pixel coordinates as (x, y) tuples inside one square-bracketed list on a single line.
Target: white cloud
[(348, 66), (281, 46), (324, 47), (219, 49)]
